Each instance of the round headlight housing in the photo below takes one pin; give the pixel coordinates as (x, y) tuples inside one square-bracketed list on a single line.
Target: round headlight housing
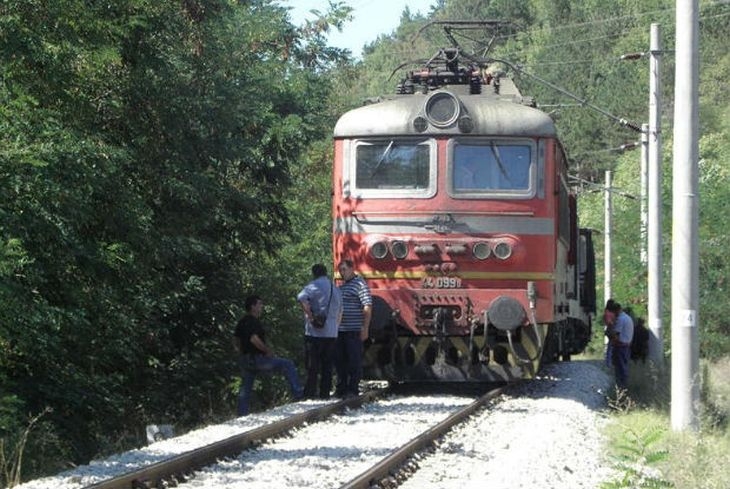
[(503, 250), (466, 124), (442, 109), (481, 250), (399, 249), (379, 250), (420, 124)]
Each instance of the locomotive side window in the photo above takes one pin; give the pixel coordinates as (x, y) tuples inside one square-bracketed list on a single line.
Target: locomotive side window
[(391, 167), (491, 167)]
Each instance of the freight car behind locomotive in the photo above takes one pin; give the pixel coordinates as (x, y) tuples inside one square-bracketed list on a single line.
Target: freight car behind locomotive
[(452, 198)]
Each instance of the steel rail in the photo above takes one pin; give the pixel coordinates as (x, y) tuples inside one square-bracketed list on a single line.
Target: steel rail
[(389, 464), (152, 475)]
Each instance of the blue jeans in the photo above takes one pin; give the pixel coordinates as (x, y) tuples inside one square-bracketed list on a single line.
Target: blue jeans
[(264, 365), (349, 362)]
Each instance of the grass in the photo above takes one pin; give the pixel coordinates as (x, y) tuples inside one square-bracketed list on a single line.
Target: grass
[(647, 453)]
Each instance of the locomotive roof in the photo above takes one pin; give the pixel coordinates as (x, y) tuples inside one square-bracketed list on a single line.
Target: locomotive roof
[(492, 115)]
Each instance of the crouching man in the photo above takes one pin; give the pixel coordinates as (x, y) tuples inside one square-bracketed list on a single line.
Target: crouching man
[(256, 357)]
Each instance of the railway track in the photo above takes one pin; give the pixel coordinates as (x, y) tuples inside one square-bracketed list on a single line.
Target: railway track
[(176, 469), (382, 473), (225, 458)]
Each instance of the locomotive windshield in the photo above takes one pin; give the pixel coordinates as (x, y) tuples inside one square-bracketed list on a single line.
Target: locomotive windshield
[(393, 165), (491, 167)]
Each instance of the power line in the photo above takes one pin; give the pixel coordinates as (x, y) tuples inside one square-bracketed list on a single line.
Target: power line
[(605, 21), (620, 120), (599, 187), (579, 41), (587, 24)]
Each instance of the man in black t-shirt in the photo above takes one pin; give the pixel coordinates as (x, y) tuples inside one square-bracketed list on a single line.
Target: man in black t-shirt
[(255, 356)]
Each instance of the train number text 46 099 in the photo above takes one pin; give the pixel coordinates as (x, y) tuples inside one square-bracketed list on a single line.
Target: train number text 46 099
[(441, 283)]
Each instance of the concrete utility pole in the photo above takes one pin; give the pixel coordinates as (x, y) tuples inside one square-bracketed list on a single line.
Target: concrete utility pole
[(685, 217), (655, 260), (644, 189), (607, 260), (651, 190)]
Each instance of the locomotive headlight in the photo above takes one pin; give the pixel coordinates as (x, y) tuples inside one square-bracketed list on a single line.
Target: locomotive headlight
[(442, 109), (481, 250), (466, 124), (379, 250), (503, 250), (399, 249), (420, 124)]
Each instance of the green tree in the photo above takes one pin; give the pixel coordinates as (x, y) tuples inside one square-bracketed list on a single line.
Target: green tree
[(147, 157)]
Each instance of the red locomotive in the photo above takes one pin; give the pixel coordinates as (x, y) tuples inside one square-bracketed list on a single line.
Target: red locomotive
[(452, 199)]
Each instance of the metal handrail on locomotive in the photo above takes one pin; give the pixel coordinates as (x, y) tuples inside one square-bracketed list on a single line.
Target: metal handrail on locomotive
[(452, 199)]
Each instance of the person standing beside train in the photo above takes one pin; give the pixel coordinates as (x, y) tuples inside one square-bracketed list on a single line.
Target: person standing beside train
[(608, 319), (623, 333), (320, 298), (357, 308)]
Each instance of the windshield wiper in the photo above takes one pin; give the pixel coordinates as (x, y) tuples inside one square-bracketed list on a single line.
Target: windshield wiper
[(382, 159), (502, 169)]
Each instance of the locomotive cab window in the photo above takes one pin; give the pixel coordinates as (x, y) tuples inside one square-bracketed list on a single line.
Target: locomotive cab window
[(502, 169), (389, 168)]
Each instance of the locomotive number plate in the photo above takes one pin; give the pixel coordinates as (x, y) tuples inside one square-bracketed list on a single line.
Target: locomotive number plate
[(441, 283)]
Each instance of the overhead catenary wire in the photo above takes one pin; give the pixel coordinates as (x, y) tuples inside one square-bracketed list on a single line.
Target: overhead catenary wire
[(608, 20), (407, 48), (520, 68), (593, 23), (620, 120), (600, 187)]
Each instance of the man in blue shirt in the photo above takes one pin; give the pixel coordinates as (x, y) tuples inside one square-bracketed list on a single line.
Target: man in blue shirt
[(320, 297), (623, 333), (357, 308)]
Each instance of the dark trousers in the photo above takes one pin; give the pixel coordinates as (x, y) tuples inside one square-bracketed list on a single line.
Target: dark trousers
[(319, 356), (349, 362), (621, 355)]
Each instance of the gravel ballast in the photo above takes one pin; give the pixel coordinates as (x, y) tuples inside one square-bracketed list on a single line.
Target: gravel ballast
[(545, 433)]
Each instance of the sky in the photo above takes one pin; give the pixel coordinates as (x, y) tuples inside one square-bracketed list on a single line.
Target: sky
[(370, 19)]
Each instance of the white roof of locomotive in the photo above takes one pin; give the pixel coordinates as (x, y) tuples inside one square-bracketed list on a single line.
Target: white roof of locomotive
[(492, 115)]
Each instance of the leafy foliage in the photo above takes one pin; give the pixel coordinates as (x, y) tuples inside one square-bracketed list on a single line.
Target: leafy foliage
[(147, 157), (635, 455)]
